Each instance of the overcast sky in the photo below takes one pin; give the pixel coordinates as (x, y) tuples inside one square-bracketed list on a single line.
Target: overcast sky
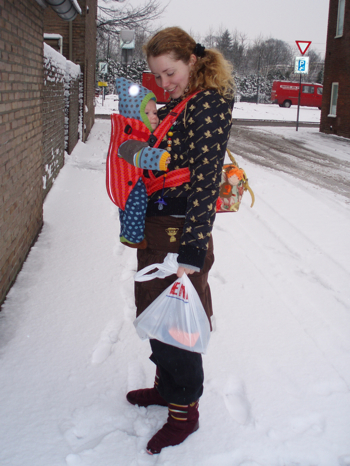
[(287, 20)]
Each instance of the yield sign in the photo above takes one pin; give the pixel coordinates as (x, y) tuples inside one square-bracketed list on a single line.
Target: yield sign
[(303, 45)]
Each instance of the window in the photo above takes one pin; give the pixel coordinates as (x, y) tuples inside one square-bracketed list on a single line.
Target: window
[(334, 98), (308, 89), (320, 90), (340, 19)]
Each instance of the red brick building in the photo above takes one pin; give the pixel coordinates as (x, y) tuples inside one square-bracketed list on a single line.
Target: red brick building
[(79, 46), (335, 115), (32, 119)]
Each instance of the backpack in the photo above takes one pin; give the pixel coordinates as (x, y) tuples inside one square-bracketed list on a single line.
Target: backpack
[(121, 176), (234, 182)]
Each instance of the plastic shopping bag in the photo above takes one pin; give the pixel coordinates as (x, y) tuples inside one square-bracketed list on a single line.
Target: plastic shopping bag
[(177, 316)]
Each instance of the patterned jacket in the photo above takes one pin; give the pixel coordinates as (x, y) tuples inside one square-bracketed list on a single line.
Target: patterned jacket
[(199, 142)]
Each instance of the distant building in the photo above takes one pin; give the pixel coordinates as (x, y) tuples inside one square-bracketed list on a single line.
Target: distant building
[(76, 40), (335, 115)]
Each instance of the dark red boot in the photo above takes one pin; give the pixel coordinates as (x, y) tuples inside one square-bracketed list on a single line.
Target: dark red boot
[(146, 396), (182, 422)]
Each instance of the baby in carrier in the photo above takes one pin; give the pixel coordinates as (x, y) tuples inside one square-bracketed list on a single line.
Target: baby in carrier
[(137, 102)]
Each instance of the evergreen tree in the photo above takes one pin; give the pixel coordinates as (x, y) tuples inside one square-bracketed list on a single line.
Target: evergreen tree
[(225, 45)]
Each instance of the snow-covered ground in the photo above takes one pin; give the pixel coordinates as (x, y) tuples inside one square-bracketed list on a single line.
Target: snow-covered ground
[(277, 371), (275, 113), (240, 110)]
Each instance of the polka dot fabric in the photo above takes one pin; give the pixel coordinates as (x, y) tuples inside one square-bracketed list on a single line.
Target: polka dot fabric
[(151, 158), (132, 220), (131, 98)]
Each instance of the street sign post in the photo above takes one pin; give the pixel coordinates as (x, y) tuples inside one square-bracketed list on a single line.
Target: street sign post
[(103, 69), (301, 67)]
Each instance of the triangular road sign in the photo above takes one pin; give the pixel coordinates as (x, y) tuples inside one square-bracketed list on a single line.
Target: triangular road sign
[(303, 45)]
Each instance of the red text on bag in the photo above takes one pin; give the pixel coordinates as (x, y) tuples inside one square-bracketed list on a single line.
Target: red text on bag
[(178, 290)]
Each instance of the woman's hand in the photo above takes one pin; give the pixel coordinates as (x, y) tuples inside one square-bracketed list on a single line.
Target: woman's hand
[(182, 270)]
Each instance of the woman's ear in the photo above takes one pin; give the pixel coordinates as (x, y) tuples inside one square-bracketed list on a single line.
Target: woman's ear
[(193, 59)]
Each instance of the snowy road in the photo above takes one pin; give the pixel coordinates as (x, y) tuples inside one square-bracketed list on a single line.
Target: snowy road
[(288, 152)]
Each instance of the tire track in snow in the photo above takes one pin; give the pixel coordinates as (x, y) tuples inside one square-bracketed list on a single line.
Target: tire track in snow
[(291, 157), (306, 285)]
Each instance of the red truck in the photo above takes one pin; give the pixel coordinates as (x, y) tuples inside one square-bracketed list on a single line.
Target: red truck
[(285, 94), (149, 82)]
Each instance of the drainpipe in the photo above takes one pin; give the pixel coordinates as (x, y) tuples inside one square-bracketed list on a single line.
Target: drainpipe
[(70, 39)]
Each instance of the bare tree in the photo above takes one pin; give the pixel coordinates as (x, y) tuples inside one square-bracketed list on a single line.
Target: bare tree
[(266, 54), (112, 19), (316, 66), (210, 40)]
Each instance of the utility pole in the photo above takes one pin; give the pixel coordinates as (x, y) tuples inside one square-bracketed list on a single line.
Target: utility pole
[(258, 86)]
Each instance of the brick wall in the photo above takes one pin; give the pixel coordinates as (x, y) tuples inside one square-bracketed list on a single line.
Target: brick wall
[(53, 123), (21, 81), (61, 111), (337, 69), (35, 126)]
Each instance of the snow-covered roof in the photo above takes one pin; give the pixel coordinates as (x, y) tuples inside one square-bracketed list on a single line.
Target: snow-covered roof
[(67, 9)]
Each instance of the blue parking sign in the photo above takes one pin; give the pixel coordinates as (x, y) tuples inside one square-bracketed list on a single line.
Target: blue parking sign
[(301, 65)]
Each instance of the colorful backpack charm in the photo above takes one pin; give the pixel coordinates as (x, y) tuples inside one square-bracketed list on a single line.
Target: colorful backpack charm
[(234, 182)]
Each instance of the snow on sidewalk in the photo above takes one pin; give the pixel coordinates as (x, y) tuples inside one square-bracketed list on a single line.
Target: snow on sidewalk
[(278, 365)]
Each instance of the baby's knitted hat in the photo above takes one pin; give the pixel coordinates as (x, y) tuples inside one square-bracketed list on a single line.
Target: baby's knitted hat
[(133, 99)]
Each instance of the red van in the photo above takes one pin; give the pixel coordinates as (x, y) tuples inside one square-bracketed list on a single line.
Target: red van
[(285, 94), (149, 82)]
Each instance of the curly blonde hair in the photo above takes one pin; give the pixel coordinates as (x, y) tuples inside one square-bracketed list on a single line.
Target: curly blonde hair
[(211, 71)]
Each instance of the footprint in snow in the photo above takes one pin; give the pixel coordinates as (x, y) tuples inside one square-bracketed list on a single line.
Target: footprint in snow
[(108, 339), (218, 276), (236, 402), (88, 426)]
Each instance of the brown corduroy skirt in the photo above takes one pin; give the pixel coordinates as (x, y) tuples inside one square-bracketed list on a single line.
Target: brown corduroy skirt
[(163, 235)]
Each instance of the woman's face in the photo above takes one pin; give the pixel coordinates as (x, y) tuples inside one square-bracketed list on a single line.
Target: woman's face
[(172, 75)]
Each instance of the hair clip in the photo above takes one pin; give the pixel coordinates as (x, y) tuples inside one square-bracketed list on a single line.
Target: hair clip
[(199, 50)]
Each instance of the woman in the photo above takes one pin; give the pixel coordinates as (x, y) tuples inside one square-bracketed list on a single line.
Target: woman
[(180, 219)]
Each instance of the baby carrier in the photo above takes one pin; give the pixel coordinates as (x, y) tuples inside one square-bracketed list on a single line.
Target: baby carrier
[(121, 176)]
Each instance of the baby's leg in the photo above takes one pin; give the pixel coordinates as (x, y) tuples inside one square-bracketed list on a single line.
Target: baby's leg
[(133, 218)]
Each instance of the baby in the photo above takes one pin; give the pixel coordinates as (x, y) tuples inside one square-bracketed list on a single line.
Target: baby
[(138, 102)]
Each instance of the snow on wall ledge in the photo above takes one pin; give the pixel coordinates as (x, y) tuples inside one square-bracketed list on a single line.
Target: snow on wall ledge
[(61, 112), (63, 66)]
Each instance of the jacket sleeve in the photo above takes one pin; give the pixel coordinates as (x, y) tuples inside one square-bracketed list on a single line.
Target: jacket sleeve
[(128, 149), (208, 122), (141, 155)]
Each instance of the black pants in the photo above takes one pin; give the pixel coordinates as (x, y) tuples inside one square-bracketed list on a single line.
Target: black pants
[(180, 373)]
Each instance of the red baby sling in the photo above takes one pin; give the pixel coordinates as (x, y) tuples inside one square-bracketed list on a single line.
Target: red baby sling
[(121, 176)]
